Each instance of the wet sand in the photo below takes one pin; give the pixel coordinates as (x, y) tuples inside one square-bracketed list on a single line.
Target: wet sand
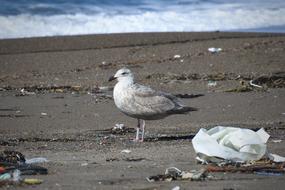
[(64, 116)]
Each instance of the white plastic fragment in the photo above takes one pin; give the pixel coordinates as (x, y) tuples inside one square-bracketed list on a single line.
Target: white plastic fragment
[(176, 56), (84, 164), (276, 158), (24, 92), (36, 160), (255, 85), (214, 50), (119, 126), (230, 143), (43, 113), (16, 175), (173, 170), (277, 141), (212, 83), (176, 188), (127, 151)]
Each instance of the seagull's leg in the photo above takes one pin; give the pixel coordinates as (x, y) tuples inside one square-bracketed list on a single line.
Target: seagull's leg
[(138, 131), (142, 135)]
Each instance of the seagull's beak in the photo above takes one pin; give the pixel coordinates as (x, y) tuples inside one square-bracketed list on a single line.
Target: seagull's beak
[(112, 78)]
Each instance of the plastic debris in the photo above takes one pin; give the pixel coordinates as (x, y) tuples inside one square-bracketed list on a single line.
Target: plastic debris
[(229, 143), (176, 56), (6, 176), (25, 92), (214, 50), (255, 85), (274, 80), (176, 188), (212, 83), (277, 141), (13, 165), (127, 151), (84, 164), (2, 170), (36, 160), (13, 157), (232, 145), (118, 126), (174, 173), (43, 113), (32, 181), (276, 158)]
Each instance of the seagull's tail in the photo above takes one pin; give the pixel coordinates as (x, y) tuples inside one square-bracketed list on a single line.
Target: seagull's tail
[(183, 110)]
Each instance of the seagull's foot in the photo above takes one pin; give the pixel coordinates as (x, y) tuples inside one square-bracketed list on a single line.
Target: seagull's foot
[(137, 140)]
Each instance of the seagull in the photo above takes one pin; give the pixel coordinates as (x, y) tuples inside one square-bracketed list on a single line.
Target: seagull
[(142, 102)]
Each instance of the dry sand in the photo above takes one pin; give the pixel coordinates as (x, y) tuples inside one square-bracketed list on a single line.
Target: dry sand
[(67, 126)]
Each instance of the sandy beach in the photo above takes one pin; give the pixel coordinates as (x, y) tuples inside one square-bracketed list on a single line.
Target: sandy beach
[(56, 102)]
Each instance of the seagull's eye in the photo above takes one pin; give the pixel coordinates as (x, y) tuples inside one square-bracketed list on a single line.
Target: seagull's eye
[(124, 73)]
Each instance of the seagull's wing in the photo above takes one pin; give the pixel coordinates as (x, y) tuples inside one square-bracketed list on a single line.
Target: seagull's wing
[(154, 102)]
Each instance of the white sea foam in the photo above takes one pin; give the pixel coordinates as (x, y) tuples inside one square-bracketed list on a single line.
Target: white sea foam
[(172, 18)]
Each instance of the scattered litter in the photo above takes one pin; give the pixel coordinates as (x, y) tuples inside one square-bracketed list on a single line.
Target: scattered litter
[(32, 181), (275, 80), (84, 164), (13, 165), (127, 151), (5, 176), (212, 83), (277, 141), (25, 92), (118, 129), (176, 56), (43, 113), (255, 85), (276, 158), (13, 157), (174, 173), (214, 50), (2, 170), (229, 143), (176, 188), (118, 126), (230, 149), (36, 160)]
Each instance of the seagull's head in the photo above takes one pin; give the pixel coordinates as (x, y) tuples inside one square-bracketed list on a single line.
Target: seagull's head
[(123, 74)]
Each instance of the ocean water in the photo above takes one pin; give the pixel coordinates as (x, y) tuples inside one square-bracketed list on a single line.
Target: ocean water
[(32, 18)]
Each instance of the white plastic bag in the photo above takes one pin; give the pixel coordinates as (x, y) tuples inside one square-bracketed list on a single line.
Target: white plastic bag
[(230, 143)]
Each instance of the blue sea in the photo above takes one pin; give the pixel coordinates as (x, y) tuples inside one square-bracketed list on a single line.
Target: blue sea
[(33, 18)]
